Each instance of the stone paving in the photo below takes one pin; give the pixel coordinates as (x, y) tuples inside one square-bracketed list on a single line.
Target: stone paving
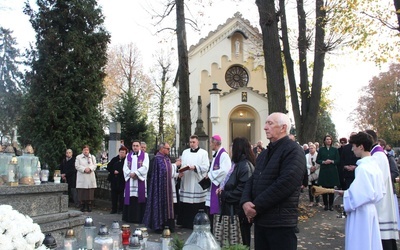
[(319, 229)]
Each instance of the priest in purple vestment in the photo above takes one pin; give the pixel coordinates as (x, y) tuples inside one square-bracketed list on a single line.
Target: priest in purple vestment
[(160, 201), (219, 168), (135, 169)]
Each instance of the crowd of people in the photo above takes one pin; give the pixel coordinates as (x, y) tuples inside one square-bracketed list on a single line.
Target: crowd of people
[(258, 186), (363, 170)]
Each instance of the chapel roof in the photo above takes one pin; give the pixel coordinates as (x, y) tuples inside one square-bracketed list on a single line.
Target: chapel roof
[(239, 18), (264, 95)]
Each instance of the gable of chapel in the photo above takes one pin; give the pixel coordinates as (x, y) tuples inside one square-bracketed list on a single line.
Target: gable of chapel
[(232, 57)]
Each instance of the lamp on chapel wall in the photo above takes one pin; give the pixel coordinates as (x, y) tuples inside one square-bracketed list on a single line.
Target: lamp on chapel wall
[(241, 113)]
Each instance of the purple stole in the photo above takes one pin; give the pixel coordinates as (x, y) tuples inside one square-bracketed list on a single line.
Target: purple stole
[(377, 148), (214, 201), (170, 195), (141, 184)]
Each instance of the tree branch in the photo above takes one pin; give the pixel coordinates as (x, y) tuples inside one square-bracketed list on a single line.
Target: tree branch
[(385, 23)]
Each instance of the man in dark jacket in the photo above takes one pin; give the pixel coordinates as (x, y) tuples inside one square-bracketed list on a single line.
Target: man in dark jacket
[(348, 164), (117, 180), (271, 195), (68, 175)]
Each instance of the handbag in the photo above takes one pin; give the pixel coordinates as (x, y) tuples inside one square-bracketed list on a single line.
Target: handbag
[(312, 177), (205, 183), (226, 229)]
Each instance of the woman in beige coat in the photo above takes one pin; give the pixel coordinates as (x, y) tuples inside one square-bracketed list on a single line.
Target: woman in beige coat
[(85, 165)]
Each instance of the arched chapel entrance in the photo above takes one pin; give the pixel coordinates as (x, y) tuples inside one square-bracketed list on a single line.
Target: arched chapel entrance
[(242, 123)]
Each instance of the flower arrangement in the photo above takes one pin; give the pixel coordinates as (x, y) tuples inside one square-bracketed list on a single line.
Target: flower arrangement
[(18, 232)]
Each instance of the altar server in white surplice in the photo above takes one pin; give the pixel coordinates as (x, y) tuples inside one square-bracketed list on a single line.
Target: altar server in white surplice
[(359, 200), (386, 207), (192, 196)]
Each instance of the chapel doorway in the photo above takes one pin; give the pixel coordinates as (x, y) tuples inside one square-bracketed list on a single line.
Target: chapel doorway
[(242, 124)]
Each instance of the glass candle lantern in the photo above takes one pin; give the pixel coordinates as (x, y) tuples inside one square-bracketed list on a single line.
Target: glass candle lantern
[(27, 164), (5, 158), (36, 175), (126, 233), (57, 176), (13, 172), (36, 178), (44, 174), (166, 239), (201, 237), (145, 235), (49, 241), (116, 235), (89, 233), (70, 242), (134, 242), (139, 233), (103, 240)]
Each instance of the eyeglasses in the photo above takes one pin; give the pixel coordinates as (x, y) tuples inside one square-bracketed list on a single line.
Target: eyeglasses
[(167, 148)]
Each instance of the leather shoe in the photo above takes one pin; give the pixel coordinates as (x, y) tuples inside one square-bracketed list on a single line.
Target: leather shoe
[(326, 208), (83, 208), (113, 212), (330, 208)]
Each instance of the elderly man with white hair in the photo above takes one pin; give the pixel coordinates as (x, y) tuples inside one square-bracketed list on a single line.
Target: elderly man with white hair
[(271, 194)]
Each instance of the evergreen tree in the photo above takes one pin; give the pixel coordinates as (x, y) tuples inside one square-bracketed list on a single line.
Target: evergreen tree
[(133, 123), (325, 126), (11, 88), (62, 108)]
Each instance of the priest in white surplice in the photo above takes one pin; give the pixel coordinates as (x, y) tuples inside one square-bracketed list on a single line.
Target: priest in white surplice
[(135, 169), (219, 168), (359, 200), (192, 196), (386, 207)]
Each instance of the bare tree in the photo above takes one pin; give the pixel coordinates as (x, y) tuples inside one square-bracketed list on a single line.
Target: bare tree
[(125, 74), (164, 94), (317, 37), (182, 76)]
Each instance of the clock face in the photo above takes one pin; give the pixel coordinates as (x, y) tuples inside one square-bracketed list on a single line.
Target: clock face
[(236, 77)]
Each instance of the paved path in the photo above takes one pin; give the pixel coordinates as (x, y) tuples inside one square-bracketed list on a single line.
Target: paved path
[(319, 229)]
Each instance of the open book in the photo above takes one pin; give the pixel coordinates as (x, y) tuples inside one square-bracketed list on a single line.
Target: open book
[(183, 169)]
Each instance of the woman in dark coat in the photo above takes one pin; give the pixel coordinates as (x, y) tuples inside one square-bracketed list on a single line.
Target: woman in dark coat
[(117, 180), (328, 158), (68, 174), (230, 191)]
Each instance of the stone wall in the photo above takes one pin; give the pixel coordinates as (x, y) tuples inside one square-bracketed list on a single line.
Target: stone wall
[(47, 205)]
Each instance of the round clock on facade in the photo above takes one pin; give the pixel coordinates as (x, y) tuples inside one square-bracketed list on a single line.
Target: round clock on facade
[(236, 77)]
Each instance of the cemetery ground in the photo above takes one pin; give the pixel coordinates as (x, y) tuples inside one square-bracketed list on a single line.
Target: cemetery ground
[(319, 229)]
